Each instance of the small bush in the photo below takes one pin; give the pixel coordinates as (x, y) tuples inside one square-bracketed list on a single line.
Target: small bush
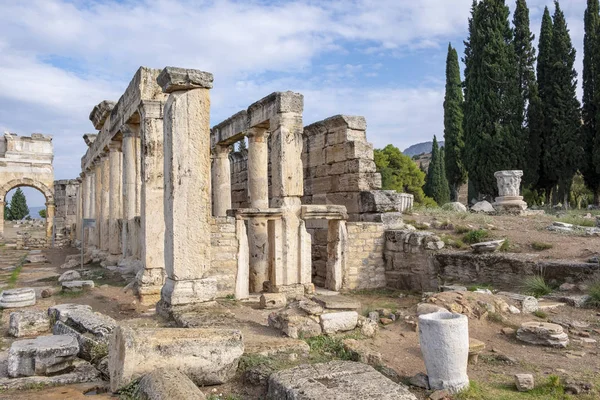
[(540, 314), (329, 346), (536, 286), (460, 229), (540, 246), (452, 242), (505, 246), (421, 226), (475, 236), (594, 293)]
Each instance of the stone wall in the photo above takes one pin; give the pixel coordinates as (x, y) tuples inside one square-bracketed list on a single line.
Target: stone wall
[(65, 217), (365, 265), (224, 254), (409, 261)]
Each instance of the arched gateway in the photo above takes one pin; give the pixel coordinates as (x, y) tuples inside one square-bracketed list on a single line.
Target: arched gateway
[(27, 161)]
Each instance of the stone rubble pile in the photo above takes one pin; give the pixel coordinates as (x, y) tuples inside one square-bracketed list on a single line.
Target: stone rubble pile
[(543, 334)]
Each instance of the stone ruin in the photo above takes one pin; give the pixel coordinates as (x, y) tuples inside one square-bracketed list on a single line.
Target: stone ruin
[(302, 206)]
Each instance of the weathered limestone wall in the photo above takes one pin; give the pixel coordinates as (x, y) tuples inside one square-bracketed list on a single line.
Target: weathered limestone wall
[(66, 202), (224, 254), (365, 265)]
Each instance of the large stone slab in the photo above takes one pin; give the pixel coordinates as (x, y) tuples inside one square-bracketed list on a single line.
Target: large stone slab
[(16, 298), (207, 356), (28, 323), (168, 384), (81, 371), (335, 380), (61, 312), (295, 323), (339, 321), (44, 355), (543, 333), (337, 302), (77, 286)]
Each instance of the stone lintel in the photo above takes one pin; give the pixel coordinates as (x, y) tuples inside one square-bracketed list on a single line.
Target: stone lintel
[(228, 131), (172, 79), (247, 213), (262, 111), (324, 212), (354, 122), (101, 112)]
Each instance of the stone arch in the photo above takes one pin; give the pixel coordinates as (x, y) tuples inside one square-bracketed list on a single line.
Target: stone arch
[(46, 191)]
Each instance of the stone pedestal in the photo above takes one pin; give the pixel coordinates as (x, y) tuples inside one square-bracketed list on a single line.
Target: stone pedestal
[(187, 202), (509, 183)]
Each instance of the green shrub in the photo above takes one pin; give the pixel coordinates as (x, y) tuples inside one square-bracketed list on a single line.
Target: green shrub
[(329, 346), (460, 229), (536, 286), (594, 293), (540, 314), (475, 236), (505, 245), (540, 246)]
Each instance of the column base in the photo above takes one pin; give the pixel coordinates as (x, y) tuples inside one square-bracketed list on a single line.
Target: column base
[(149, 283), (176, 293), (510, 203)]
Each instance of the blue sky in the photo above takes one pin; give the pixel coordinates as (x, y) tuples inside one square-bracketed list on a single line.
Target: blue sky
[(384, 59)]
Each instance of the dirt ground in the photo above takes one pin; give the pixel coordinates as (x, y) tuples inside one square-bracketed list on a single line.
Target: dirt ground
[(398, 342)]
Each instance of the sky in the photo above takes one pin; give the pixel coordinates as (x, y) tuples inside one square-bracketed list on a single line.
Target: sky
[(383, 59)]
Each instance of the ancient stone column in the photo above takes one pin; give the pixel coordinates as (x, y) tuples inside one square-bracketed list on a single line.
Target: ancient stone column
[(187, 187), (221, 180), (49, 222), (97, 206), (152, 229), (115, 199), (258, 194), (509, 185), (130, 134), (104, 201), (80, 197)]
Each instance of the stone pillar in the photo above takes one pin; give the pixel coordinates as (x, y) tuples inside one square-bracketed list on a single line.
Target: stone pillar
[(97, 206), (104, 201), (80, 196), (337, 238), (152, 224), (115, 197), (287, 181), (2, 204), (187, 187), (509, 186), (258, 194), (221, 181), (49, 222), (130, 133)]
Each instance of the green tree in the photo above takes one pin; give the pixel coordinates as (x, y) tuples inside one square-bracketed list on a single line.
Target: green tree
[(42, 213), (591, 98), (18, 205), (7, 216), (493, 112), (562, 149), (436, 184), (400, 173), (454, 141), (532, 113), (545, 182)]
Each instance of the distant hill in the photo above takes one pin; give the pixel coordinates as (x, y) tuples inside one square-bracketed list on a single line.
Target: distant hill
[(421, 148)]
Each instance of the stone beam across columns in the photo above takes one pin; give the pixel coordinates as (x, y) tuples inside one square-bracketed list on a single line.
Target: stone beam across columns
[(115, 197), (152, 231), (187, 187), (221, 180)]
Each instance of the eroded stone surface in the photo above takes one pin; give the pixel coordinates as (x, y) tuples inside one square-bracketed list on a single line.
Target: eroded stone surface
[(69, 276), (82, 372), (335, 380), (543, 333), (41, 356), (61, 312), (337, 302), (28, 323), (77, 286), (15, 298), (168, 384), (339, 321)]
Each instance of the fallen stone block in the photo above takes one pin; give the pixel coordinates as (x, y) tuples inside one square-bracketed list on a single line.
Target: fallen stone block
[(310, 307), (16, 298), (368, 327), (483, 206), (80, 372), (475, 348), (206, 356), (524, 382), (527, 304), (61, 312), (339, 321), (77, 286), (69, 276), (337, 302), (70, 264), (271, 301), (335, 380), (168, 384), (362, 353), (294, 323), (28, 323), (543, 333), (36, 258), (487, 247), (41, 356)]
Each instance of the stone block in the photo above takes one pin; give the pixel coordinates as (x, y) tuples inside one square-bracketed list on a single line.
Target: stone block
[(335, 380), (70, 276), (16, 298), (172, 79), (362, 353), (527, 304), (543, 333), (339, 321), (41, 356), (168, 384), (524, 382), (77, 286), (295, 323), (61, 312), (337, 302), (28, 323), (206, 356), (273, 300), (80, 371)]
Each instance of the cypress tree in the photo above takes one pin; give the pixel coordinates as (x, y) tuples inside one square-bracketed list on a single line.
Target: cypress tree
[(591, 98), (436, 185), (544, 80), (7, 213), (18, 205), (456, 172), (562, 149), (493, 113), (532, 116)]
